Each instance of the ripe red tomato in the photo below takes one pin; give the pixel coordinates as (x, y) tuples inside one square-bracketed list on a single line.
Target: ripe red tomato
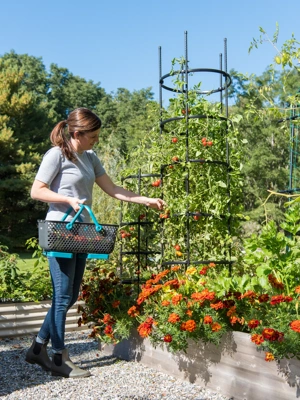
[(175, 159), (210, 143), (174, 140), (123, 235), (196, 217), (177, 247)]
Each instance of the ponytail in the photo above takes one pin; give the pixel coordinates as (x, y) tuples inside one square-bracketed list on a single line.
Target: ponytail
[(59, 138)]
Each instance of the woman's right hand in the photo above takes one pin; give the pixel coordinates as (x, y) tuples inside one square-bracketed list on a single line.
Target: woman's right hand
[(75, 203)]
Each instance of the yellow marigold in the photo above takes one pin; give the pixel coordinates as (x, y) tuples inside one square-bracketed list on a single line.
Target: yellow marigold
[(191, 271)]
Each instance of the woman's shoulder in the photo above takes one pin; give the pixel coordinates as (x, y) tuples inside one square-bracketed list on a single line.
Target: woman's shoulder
[(53, 153)]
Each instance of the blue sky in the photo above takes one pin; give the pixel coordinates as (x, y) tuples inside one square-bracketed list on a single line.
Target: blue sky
[(116, 42)]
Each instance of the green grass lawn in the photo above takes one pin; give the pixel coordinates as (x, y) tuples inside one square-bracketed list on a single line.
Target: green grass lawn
[(26, 262)]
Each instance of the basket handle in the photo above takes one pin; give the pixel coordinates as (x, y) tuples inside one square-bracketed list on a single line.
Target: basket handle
[(69, 226)]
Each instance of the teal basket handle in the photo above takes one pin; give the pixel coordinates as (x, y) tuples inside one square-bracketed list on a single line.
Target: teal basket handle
[(69, 226)]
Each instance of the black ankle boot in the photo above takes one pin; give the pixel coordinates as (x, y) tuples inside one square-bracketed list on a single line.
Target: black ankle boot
[(37, 354), (63, 366)]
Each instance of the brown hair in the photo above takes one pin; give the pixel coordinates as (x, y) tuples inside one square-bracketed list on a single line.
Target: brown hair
[(81, 120)]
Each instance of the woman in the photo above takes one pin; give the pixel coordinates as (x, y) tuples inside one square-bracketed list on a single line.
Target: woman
[(65, 178)]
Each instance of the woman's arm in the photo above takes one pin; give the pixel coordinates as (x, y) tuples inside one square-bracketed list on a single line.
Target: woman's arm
[(40, 191), (107, 185)]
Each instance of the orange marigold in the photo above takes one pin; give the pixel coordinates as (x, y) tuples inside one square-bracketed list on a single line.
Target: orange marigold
[(297, 289), (250, 294), (231, 311), (190, 325), (207, 319), (269, 357), (295, 325), (215, 327), (257, 339), (176, 299), (204, 295), (133, 311), (217, 306), (173, 318), (211, 265), (165, 303), (108, 319), (145, 328), (116, 303), (175, 268), (189, 313)]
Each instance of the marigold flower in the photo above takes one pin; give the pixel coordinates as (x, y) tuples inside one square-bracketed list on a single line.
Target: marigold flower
[(176, 299), (145, 328), (217, 306), (175, 268), (275, 282), (253, 323), (233, 320), (173, 318), (207, 319), (191, 271), (165, 303), (116, 303), (277, 299), (189, 313), (190, 325), (231, 311), (295, 325), (270, 334), (161, 275), (263, 298), (203, 271), (215, 327), (108, 319), (269, 357), (168, 338), (204, 295), (257, 339), (133, 311), (250, 294), (297, 289), (182, 326), (108, 330), (211, 265), (174, 283)]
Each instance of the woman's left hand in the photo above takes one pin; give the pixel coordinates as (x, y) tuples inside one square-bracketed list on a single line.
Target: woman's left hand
[(159, 204)]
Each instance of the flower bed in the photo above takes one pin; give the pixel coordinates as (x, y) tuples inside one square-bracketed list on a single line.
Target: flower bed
[(234, 368)]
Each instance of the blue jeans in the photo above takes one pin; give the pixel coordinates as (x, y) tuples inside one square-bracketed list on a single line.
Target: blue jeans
[(66, 276)]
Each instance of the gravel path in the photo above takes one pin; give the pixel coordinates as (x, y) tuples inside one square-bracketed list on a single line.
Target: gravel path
[(111, 378)]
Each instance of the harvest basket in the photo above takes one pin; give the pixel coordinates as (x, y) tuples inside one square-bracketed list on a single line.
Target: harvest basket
[(77, 237)]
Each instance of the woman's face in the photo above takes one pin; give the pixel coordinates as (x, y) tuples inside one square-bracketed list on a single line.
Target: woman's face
[(85, 141)]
